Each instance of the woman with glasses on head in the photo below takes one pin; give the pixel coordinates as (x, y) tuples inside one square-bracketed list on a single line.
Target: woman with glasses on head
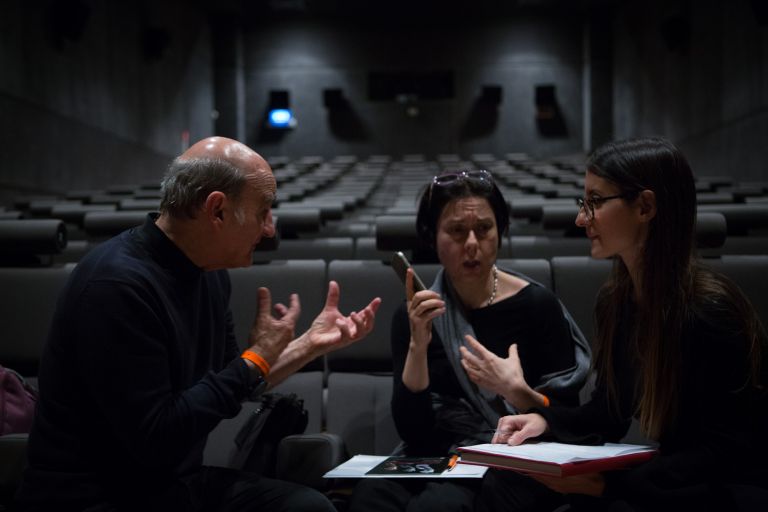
[(678, 346), (483, 342)]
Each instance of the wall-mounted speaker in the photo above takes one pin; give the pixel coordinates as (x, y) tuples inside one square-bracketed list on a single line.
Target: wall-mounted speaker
[(334, 98), (545, 96), (279, 98), (549, 118), (491, 94)]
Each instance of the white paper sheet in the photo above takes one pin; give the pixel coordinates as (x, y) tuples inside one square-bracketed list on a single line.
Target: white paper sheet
[(359, 465), (558, 453)]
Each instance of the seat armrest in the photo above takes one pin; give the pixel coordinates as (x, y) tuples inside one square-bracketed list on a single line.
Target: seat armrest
[(305, 458), (13, 451)]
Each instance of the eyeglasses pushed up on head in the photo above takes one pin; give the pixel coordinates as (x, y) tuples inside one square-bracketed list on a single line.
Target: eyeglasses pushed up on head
[(449, 178), (589, 204)]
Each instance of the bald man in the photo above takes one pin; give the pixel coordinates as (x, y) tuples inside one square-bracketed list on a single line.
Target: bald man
[(141, 361)]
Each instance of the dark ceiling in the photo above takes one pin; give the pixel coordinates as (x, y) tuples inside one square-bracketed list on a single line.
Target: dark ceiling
[(397, 11)]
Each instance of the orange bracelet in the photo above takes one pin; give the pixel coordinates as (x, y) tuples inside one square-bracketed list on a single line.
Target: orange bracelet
[(545, 398), (256, 359)]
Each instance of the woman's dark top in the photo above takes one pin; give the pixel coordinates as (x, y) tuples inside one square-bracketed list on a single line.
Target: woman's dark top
[(719, 437), (532, 318)]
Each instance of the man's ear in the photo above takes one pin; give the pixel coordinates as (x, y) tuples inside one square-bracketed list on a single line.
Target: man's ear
[(647, 202), (213, 208)]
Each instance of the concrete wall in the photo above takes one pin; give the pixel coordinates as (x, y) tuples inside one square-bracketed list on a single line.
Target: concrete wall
[(697, 73), (96, 93), (306, 57)]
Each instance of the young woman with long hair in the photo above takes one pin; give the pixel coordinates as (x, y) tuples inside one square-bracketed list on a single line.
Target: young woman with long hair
[(678, 346)]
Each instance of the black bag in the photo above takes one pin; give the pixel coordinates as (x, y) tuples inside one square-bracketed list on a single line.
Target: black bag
[(277, 416)]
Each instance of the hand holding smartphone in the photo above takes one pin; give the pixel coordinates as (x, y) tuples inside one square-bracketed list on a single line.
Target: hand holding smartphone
[(401, 265)]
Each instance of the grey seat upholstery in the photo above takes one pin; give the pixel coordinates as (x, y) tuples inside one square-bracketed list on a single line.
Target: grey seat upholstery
[(328, 248), (577, 280), (13, 454), (307, 278), (360, 281), (105, 224), (711, 230), (358, 410), (542, 246), (27, 238), (28, 302), (741, 218), (396, 232), (75, 213), (365, 249), (294, 220), (307, 385), (750, 273)]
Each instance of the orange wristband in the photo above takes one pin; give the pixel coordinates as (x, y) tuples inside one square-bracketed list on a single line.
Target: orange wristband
[(545, 398), (256, 359)]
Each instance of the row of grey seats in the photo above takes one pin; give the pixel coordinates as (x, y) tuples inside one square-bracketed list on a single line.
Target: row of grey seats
[(347, 392), (348, 397), (718, 232)]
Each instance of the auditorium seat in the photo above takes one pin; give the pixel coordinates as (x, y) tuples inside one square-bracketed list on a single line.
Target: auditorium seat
[(365, 249), (295, 219), (531, 207), (133, 204), (100, 225), (361, 281), (358, 411), (11, 215), (28, 302), (306, 385), (741, 218), (547, 247), (577, 280), (75, 213), (13, 459), (307, 278), (750, 273), (325, 248), (396, 232)]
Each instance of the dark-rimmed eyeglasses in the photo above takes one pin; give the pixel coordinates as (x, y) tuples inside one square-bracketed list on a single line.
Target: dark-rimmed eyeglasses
[(589, 204)]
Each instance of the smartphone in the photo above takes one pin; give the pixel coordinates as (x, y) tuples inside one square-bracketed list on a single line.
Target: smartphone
[(401, 265)]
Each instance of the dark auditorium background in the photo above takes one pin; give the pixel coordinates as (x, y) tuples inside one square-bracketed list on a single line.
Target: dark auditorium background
[(94, 93)]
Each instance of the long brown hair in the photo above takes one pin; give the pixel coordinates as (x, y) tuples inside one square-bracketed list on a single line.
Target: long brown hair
[(671, 280)]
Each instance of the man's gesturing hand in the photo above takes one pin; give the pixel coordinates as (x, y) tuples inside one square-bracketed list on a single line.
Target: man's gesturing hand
[(271, 334)]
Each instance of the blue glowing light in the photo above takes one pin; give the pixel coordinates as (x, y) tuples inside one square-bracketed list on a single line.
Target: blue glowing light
[(280, 118)]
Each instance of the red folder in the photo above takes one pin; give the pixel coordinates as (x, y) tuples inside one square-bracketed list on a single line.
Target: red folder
[(477, 455)]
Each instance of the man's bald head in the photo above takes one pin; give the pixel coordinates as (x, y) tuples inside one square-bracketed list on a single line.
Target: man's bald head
[(212, 164), (237, 153)]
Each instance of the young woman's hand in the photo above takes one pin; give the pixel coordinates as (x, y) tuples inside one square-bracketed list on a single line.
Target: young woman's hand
[(515, 429)]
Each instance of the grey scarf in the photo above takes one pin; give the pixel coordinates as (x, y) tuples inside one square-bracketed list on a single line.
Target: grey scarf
[(453, 326)]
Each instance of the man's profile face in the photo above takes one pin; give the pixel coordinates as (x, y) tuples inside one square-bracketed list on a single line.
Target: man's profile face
[(250, 220)]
